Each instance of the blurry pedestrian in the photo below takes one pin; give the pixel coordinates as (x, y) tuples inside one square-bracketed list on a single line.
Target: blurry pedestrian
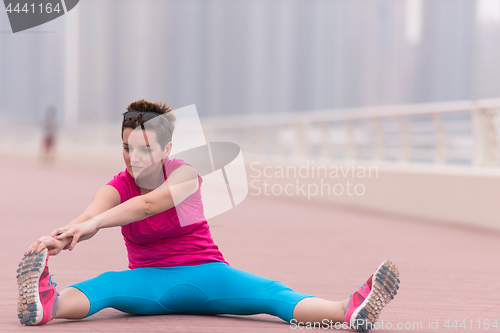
[(49, 129)]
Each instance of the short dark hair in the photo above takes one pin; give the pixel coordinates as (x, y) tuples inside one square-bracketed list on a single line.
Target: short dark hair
[(163, 129)]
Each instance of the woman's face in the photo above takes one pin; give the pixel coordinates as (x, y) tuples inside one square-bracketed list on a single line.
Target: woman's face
[(137, 154)]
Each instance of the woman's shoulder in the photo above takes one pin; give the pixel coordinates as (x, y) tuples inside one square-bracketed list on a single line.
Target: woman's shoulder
[(172, 164), (122, 176), (122, 183)]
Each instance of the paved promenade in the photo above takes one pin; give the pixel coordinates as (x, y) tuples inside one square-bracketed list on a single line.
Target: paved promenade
[(447, 272)]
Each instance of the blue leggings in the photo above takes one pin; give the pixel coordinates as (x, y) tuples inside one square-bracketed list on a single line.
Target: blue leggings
[(213, 288)]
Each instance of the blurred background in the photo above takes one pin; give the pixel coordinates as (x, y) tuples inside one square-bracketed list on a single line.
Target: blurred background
[(401, 85), (249, 56)]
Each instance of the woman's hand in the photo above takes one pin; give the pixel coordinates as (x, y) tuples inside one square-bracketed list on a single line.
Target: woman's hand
[(76, 232), (54, 245)]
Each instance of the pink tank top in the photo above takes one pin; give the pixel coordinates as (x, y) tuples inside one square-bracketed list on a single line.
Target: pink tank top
[(161, 241)]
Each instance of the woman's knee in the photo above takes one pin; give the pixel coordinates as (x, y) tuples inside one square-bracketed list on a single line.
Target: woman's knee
[(108, 283), (276, 287)]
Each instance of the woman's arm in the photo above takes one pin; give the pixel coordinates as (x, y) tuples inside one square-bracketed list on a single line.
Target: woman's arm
[(105, 198), (181, 183)]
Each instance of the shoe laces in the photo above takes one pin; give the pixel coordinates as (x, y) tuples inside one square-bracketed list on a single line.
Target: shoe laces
[(53, 283)]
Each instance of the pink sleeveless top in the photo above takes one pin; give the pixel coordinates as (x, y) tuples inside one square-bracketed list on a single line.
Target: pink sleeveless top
[(161, 241)]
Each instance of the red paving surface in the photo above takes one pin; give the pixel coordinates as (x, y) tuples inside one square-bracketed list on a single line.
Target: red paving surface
[(447, 272)]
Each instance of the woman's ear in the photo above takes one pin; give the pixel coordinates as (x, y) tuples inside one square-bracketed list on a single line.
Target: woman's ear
[(168, 149)]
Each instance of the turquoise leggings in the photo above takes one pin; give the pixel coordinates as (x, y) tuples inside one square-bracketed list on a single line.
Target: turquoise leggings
[(213, 288)]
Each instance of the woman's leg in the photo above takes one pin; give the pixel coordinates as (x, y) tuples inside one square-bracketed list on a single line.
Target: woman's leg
[(214, 288), (232, 291), (131, 291), (73, 304), (313, 309), (227, 290), (223, 290)]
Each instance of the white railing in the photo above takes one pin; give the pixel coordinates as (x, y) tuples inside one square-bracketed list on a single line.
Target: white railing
[(465, 133), (450, 133)]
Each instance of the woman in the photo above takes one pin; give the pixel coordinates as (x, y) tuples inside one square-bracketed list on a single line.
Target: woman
[(49, 135), (175, 267)]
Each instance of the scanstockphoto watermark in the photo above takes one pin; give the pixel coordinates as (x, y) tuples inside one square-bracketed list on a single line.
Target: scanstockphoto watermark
[(429, 326), (380, 325), (309, 179)]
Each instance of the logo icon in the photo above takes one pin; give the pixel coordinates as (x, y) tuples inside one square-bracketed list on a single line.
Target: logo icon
[(31, 13)]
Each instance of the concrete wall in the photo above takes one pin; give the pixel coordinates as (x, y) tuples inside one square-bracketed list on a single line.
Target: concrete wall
[(461, 196)]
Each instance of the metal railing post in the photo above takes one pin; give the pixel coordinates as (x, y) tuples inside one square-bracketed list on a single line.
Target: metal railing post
[(351, 140), (405, 139), (278, 145), (325, 145), (486, 144), (301, 139), (441, 143), (378, 133)]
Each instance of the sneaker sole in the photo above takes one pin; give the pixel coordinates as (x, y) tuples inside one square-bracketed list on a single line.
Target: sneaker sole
[(385, 283), (29, 272)]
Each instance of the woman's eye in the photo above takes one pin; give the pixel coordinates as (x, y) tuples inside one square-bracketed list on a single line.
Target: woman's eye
[(146, 150), (126, 149)]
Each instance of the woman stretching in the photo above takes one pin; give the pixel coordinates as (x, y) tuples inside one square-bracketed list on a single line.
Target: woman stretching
[(175, 267)]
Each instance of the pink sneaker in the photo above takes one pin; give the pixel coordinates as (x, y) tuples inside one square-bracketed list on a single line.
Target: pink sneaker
[(38, 298), (364, 305)]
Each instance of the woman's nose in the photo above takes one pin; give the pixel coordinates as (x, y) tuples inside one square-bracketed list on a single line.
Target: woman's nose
[(134, 157)]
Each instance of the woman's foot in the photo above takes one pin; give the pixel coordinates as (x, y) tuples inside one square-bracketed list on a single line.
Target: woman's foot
[(38, 297), (365, 304)]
